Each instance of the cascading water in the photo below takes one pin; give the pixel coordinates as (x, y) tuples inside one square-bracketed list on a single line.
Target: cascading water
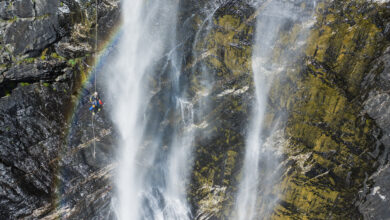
[(154, 151), (256, 196), (155, 117)]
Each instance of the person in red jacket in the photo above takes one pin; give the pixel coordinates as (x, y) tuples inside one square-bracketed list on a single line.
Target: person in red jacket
[(96, 103)]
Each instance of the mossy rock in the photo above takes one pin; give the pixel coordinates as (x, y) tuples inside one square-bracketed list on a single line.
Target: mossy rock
[(323, 101)]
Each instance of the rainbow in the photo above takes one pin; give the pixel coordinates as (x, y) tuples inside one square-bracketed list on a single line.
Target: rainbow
[(88, 78)]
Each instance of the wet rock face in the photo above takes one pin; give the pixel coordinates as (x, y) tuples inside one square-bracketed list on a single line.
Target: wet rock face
[(333, 144), (330, 118), (217, 71), (46, 170), (30, 133), (41, 70), (334, 103), (375, 195), (35, 25), (37, 35), (334, 120), (32, 113)]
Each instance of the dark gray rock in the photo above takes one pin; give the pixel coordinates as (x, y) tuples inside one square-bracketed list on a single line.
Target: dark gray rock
[(27, 8), (39, 158), (69, 50), (6, 11), (5, 56), (24, 8), (30, 137), (377, 200), (31, 26), (374, 199), (30, 35), (109, 14), (39, 70), (44, 7), (378, 107)]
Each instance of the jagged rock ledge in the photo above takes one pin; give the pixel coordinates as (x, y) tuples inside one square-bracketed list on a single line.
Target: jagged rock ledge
[(45, 47)]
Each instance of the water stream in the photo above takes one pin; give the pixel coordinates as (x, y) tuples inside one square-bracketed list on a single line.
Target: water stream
[(144, 88), (157, 119), (260, 173)]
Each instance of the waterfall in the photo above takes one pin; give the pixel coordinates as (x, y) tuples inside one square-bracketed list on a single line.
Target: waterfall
[(157, 119), (153, 150), (256, 196)]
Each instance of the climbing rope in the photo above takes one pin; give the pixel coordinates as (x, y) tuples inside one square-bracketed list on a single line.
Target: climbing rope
[(94, 138), (96, 35), (95, 76)]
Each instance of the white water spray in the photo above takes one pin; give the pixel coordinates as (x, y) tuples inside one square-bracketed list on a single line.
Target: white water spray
[(150, 176), (256, 197)]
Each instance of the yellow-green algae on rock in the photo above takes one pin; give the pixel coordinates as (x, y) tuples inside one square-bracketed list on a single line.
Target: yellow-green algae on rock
[(327, 137), (329, 140), (226, 57)]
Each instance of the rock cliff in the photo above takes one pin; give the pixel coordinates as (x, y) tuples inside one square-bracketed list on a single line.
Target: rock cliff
[(329, 109), (45, 49), (329, 112)]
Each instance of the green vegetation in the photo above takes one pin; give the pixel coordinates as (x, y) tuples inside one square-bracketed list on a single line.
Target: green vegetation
[(42, 17), (72, 62), (43, 55), (29, 60), (57, 57), (14, 19), (24, 84)]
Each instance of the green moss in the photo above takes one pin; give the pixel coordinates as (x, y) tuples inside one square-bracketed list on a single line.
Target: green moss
[(10, 5), (14, 19), (43, 54), (29, 60), (72, 62), (24, 84), (42, 17), (56, 56)]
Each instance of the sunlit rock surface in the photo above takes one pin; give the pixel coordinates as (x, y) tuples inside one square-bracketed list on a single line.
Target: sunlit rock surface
[(334, 124), (327, 116), (332, 107)]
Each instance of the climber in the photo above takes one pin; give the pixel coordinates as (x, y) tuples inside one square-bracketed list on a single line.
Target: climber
[(96, 103)]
